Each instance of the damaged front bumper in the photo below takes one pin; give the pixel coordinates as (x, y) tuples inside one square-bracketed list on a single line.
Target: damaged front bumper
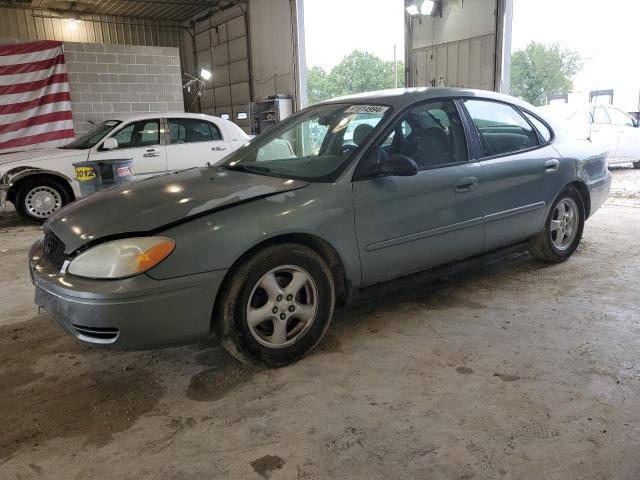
[(133, 313)]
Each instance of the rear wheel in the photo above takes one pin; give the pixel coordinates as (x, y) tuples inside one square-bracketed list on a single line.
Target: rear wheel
[(40, 197), (636, 164), (563, 229), (277, 305)]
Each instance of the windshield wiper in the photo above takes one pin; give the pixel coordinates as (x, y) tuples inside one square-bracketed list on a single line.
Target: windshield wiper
[(241, 167)]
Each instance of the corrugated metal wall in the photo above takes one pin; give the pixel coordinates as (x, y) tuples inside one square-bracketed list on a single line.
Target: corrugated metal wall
[(461, 46), (222, 48), (466, 63), (29, 24)]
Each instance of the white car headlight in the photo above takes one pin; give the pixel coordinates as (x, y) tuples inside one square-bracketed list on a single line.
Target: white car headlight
[(121, 258)]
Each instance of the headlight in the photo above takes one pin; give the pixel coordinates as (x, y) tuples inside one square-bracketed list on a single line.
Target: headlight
[(122, 258)]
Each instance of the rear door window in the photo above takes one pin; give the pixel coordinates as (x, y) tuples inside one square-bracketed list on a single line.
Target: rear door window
[(620, 118), (189, 130), (501, 128)]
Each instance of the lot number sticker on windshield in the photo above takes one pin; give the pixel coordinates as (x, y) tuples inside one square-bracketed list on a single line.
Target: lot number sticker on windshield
[(366, 109)]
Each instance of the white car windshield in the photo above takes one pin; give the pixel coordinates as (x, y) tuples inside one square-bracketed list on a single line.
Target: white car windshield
[(311, 145), (88, 140)]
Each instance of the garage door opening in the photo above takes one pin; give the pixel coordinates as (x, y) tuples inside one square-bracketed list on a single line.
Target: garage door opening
[(353, 47), (580, 56)]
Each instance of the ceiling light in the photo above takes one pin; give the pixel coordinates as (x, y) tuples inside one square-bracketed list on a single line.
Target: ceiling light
[(205, 74), (72, 23), (424, 7), (428, 6), (413, 10)]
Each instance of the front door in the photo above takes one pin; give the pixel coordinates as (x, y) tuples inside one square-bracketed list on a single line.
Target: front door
[(194, 142), (408, 224), (603, 132), (139, 141), (520, 172)]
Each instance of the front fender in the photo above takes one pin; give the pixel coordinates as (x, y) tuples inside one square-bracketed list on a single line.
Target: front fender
[(216, 241), (12, 177)]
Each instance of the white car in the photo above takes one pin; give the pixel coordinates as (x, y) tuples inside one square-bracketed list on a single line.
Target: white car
[(611, 127), (40, 182)]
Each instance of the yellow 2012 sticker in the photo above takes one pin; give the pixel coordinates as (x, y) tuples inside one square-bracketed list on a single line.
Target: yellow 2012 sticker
[(85, 173)]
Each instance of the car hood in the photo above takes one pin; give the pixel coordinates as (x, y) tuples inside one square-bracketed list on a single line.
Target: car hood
[(155, 203), (29, 157)]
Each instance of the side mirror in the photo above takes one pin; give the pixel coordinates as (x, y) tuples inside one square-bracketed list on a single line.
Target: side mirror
[(379, 163), (398, 165), (110, 144)]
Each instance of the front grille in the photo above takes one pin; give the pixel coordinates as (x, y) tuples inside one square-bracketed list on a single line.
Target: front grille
[(96, 334), (54, 249)]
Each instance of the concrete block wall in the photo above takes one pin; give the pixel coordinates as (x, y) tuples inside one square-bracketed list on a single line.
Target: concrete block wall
[(107, 80)]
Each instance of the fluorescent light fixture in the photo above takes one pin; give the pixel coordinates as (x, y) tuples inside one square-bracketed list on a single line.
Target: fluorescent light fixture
[(428, 6), (205, 74), (413, 10)]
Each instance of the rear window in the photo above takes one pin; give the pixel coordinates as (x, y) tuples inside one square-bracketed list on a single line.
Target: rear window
[(501, 128), (543, 130)]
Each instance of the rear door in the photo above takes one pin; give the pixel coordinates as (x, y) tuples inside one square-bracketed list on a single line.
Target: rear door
[(139, 141), (628, 135), (194, 142), (520, 171), (408, 224)]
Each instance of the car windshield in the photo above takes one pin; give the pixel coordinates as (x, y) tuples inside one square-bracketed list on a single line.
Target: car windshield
[(88, 140), (311, 145)]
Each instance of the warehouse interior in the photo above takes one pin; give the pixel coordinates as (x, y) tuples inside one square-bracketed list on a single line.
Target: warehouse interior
[(516, 370)]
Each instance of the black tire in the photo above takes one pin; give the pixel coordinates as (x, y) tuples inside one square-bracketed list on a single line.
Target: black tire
[(230, 316), (636, 164), (542, 245), (29, 184)]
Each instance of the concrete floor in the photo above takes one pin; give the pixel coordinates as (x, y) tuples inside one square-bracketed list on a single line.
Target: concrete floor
[(519, 371)]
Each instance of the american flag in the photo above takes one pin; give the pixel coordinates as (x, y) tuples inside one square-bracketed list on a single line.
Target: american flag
[(35, 106)]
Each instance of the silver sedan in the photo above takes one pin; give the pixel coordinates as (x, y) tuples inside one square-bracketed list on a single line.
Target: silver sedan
[(261, 249)]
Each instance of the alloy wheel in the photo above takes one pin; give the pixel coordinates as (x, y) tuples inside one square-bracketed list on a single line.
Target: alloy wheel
[(564, 223), (282, 306)]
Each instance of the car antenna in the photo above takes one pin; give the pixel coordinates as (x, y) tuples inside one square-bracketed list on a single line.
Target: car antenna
[(593, 110)]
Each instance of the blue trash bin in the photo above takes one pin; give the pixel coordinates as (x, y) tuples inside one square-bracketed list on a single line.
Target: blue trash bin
[(95, 175)]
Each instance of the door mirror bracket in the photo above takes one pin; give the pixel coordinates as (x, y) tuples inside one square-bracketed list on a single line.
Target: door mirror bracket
[(379, 163), (110, 144)]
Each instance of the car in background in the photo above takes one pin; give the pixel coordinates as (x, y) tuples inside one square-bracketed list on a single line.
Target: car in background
[(609, 126), (260, 249), (40, 182)]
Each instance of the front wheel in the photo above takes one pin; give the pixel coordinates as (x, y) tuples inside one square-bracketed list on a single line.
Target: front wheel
[(40, 197), (277, 305), (636, 164), (563, 229)]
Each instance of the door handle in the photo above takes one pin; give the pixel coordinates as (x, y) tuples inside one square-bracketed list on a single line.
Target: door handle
[(152, 152), (218, 149), (551, 166), (466, 184)]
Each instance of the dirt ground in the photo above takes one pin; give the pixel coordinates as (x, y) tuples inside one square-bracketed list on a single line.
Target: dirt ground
[(521, 370)]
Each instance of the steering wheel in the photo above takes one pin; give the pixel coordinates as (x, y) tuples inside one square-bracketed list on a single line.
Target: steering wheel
[(347, 149)]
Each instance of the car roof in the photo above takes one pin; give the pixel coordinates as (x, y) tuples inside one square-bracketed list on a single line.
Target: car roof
[(401, 97), (127, 117)]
